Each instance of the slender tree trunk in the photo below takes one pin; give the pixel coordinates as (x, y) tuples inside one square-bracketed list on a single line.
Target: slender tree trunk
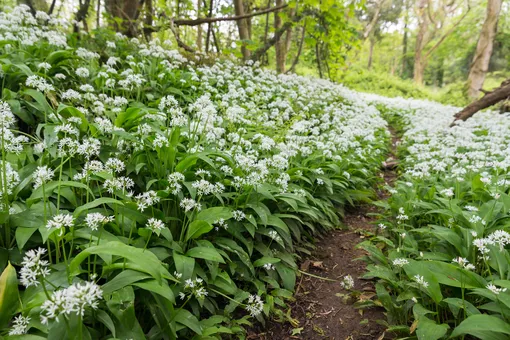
[(423, 23), (149, 15), (318, 57), (242, 27), (98, 14), (371, 52), (265, 60), (481, 59), (199, 28), (209, 27), (300, 49), (405, 39), (216, 41), (280, 44)]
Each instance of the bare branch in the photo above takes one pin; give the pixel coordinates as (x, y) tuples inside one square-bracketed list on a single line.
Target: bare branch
[(200, 21)]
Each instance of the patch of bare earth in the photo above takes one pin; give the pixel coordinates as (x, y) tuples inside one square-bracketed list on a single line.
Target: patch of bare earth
[(322, 309)]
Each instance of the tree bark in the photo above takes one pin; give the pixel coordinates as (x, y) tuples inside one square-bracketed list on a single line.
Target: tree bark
[(271, 42), (209, 27), (481, 59), (300, 49), (318, 57), (280, 44), (148, 20), (127, 11), (81, 15), (423, 22), (199, 28), (242, 27), (98, 14), (371, 52), (489, 99), (405, 39), (374, 20)]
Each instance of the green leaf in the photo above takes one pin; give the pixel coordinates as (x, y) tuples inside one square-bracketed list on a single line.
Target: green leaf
[(159, 288), (106, 320), (429, 330), (9, 295), (95, 203), (198, 228), (206, 254), (125, 278), (187, 319), (476, 325), (147, 261), (262, 261), (214, 214)]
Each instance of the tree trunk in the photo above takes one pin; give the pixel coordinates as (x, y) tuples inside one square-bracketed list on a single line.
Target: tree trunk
[(480, 64), (371, 52), (149, 16), (98, 14), (405, 39), (242, 27), (209, 27), (489, 99), (199, 28), (423, 23), (128, 11), (300, 49), (318, 57), (280, 44)]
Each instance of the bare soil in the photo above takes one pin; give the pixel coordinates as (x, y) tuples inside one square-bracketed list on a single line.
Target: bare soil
[(322, 309)]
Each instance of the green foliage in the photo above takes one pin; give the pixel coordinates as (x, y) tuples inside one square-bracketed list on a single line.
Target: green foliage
[(145, 197)]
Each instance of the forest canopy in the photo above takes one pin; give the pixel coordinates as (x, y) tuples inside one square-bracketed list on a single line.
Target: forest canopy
[(447, 50)]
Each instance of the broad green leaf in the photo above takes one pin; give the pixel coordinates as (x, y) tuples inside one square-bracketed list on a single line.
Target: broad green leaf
[(9, 295), (147, 261), (476, 325), (214, 214), (198, 228), (206, 254), (95, 203)]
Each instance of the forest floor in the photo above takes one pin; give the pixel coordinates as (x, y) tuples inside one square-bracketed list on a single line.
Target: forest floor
[(322, 309)]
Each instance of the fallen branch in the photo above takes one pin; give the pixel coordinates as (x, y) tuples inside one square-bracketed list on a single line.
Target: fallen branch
[(489, 99), (200, 21)]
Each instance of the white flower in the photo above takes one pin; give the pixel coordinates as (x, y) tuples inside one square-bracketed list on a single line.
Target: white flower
[(96, 220), (189, 204), (39, 83), (347, 282), (421, 281), (255, 306), (42, 175), (238, 215), (268, 266), (274, 235), (59, 222), (45, 66), (495, 289), (447, 192), (114, 165), (400, 262), (33, 267), (155, 225), (82, 72), (19, 325), (72, 300), (382, 226), (464, 263), (147, 199)]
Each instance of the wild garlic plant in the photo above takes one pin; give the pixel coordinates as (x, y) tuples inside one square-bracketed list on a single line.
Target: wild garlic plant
[(147, 195), (441, 258)]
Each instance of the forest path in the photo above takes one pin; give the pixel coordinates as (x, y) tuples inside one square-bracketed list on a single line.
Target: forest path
[(323, 310)]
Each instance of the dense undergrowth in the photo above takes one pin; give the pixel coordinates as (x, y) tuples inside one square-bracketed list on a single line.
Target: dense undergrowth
[(439, 254), (146, 197)]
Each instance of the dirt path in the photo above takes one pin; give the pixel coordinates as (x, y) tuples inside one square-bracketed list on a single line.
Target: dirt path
[(323, 310)]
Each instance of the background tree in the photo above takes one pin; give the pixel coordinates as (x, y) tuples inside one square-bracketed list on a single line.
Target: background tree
[(483, 53)]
